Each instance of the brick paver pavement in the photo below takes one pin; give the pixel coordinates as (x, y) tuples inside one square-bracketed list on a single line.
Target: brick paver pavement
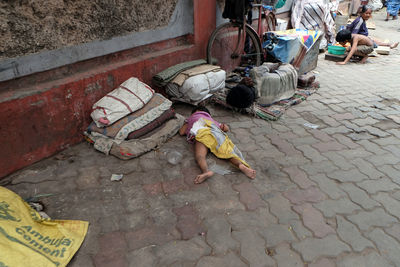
[(323, 197)]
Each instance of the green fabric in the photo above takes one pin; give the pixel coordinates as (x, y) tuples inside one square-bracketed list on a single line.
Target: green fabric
[(162, 78), (280, 4)]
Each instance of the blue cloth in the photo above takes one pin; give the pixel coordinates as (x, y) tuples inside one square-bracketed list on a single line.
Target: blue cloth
[(358, 26), (393, 7)]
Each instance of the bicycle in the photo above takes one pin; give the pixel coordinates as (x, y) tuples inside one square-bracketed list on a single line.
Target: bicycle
[(237, 43)]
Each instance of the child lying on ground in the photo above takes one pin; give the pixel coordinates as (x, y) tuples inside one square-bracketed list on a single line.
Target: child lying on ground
[(361, 45), (208, 134)]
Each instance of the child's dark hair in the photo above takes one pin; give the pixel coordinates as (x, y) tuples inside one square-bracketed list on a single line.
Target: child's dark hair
[(364, 9), (343, 36), (200, 108)]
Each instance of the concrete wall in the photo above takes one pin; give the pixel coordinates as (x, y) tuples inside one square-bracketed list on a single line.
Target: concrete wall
[(48, 110)]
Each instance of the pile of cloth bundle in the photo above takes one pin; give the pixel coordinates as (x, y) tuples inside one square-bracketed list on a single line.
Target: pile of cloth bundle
[(132, 120), (191, 82)]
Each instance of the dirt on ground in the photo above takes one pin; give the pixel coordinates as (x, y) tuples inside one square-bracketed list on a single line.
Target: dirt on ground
[(29, 26)]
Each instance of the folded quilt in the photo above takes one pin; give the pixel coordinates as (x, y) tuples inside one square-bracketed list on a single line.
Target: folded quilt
[(133, 148), (165, 76), (130, 96), (168, 114), (136, 120)]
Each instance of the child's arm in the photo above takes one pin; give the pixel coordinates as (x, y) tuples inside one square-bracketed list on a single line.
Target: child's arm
[(352, 51), (182, 130)]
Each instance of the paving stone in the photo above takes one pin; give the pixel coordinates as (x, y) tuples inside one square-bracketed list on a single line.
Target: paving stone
[(375, 131), (391, 172), (281, 208), (394, 231), (283, 145), (299, 177), (219, 235), (337, 130), (346, 141), (313, 248), (353, 127), (338, 160), (379, 160), (307, 140), (360, 136), (374, 186), (190, 250), (298, 228), (314, 220), (343, 116), (328, 186), (387, 245), (213, 207), (391, 205), (331, 207), (88, 178), (372, 147), (367, 168), (353, 175), (142, 257), (275, 234), (252, 248), (81, 260), (395, 132), (241, 124), (387, 141), (321, 135), (311, 153), (189, 223), (328, 146), (240, 220), (394, 149), (285, 257), (249, 196), (366, 219), (364, 122), (230, 260), (355, 153), (349, 233), (322, 263), (372, 259), (318, 167), (359, 196), (150, 236), (112, 247), (311, 194)]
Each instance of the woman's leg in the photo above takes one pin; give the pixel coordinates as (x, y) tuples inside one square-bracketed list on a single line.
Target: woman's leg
[(200, 152), (378, 42), (246, 170)]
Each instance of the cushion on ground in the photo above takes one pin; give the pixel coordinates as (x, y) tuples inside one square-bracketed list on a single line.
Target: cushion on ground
[(136, 120)]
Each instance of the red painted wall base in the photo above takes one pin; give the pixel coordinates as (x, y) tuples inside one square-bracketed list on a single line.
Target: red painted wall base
[(44, 113)]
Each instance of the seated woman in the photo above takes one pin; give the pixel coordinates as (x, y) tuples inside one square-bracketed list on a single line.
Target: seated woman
[(358, 26)]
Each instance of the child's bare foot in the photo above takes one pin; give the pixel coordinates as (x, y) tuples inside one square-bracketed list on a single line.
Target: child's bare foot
[(202, 177), (394, 45), (247, 171), (363, 60)]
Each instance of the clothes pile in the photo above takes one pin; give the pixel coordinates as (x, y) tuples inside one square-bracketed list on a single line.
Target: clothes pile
[(191, 82), (314, 15), (132, 120)]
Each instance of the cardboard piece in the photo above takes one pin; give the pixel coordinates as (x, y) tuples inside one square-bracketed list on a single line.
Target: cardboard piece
[(382, 50)]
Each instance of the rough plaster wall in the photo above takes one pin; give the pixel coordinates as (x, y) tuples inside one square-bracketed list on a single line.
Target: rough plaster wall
[(31, 26)]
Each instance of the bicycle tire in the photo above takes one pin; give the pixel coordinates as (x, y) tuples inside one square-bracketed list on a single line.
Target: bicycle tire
[(270, 22), (222, 43)]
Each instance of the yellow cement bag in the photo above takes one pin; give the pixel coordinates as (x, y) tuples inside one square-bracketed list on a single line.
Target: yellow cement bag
[(26, 239)]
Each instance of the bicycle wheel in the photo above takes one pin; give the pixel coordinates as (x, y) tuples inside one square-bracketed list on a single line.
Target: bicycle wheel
[(229, 48), (270, 22)]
